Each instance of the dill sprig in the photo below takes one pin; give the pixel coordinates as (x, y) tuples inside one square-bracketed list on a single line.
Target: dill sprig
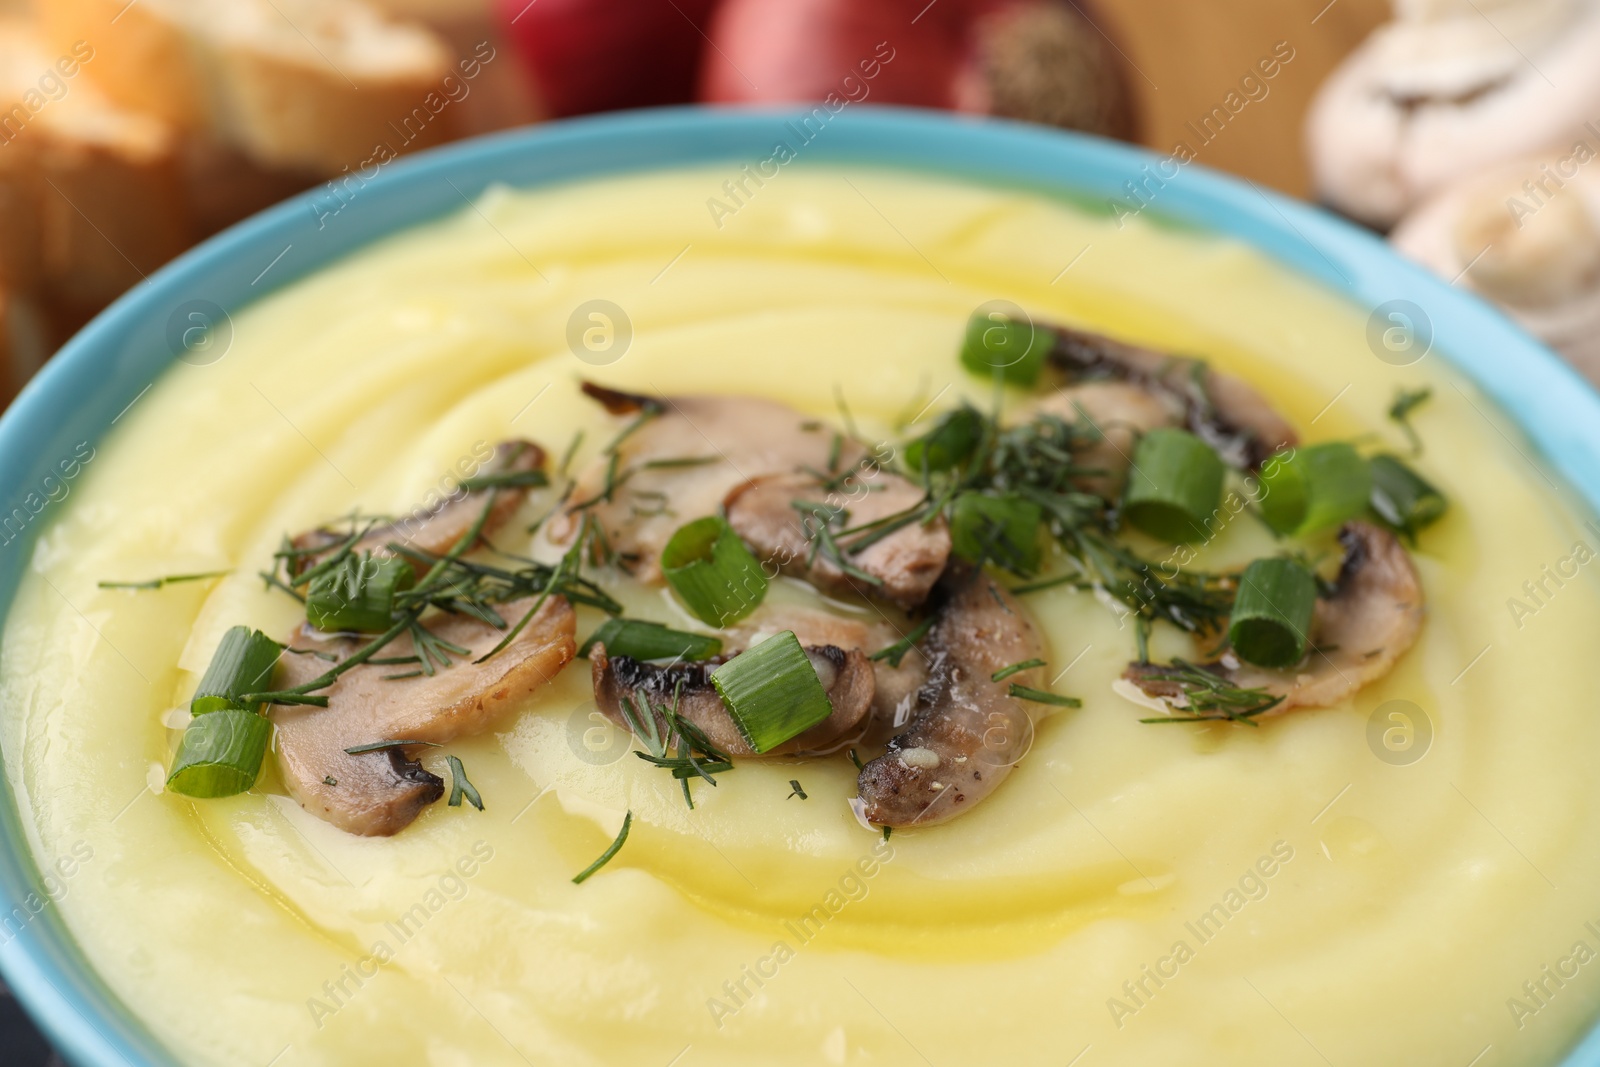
[(674, 748), (450, 584), (1405, 402), (1036, 461), (1208, 696), (163, 582)]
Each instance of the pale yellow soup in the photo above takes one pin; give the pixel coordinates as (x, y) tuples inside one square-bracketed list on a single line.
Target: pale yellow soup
[(1132, 894)]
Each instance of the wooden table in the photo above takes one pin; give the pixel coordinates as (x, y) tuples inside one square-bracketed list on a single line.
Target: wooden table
[(1185, 56)]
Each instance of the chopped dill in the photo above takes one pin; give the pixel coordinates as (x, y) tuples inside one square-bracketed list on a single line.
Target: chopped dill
[(606, 856), (379, 746), (1207, 695), (673, 748), (1016, 668), (1040, 696), (161, 583), (461, 787), (896, 652), (1405, 402), (795, 790)]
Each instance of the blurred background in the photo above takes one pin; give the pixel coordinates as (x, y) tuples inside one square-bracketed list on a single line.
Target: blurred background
[(1462, 130)]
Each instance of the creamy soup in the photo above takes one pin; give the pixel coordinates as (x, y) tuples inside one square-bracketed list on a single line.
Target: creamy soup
[(1374, 882)]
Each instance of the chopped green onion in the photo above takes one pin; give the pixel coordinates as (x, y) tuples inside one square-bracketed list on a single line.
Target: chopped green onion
[(358, 595), (950, 442), (460, 786), (714, 575), (896, 652), (242, 664), (605, 857), (1039, 696), (1314, 487), (795, 790), (1016, 668), (1175, 486), (220, 754), (1014, 350), (772, 692), (1402, 497), (1004, 529), (649, 640), (1272, 613)]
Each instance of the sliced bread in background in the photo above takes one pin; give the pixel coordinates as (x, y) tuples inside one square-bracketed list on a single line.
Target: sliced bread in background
[(300, 85), (503, 93), (91, 195)]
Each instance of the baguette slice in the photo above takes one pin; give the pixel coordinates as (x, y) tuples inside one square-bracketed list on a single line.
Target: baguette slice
[(91, 196), (311, 85)]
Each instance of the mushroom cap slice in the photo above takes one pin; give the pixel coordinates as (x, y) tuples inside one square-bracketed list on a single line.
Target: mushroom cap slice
[(436, 530), (1224, 411), (1358, 633), (845, 675), (905, 564), (1120, 413), (969, 731), (726, 441), (380, 793)]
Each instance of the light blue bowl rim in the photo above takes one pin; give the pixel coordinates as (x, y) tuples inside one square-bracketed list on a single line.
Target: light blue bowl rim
[(108, 365)]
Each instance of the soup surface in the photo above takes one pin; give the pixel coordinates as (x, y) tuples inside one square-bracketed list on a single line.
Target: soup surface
[(1335, 885)]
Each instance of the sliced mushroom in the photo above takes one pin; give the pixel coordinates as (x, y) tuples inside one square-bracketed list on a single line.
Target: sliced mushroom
[(1357, 634), (436, 530), (1118, 413), (649, 687), (380, 793), (969, 731), (1222, 410), (681, 464), (900, 567)]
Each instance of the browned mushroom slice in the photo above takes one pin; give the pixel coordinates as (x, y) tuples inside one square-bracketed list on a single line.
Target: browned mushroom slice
[(1119, 413), (680, 464), (1357, 634), (379, 793), (845, 675), (900, 567), (436, 530), (1222, 410), (969, 732)]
